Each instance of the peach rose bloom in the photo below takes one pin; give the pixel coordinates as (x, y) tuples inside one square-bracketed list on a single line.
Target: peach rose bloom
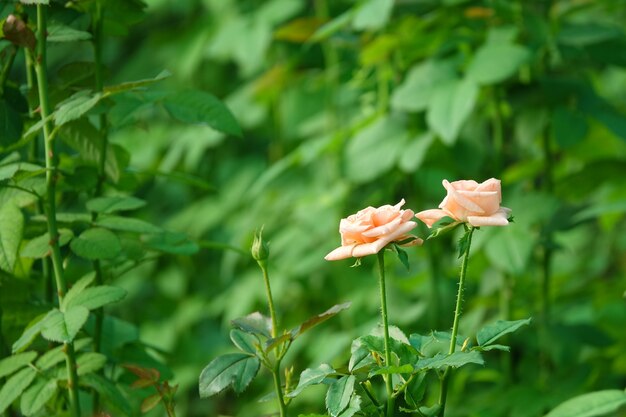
[(470, 202), (371, 229)]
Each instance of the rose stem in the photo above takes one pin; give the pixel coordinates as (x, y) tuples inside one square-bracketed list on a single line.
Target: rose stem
[(469, 230), (383, 309), (51, 178), (276, 368)]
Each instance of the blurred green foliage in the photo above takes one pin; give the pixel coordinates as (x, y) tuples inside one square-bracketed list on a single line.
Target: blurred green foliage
[(345, 104)]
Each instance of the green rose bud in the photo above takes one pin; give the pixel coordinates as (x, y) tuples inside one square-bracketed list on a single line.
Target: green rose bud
[(260, 248)]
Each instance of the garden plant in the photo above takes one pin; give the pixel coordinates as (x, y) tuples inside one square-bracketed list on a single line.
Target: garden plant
[(173, 175)]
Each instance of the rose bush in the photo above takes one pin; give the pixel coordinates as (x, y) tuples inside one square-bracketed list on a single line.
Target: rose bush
[(371, 229), (470, 202)]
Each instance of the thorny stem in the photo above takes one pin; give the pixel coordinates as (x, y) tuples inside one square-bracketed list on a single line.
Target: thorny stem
[(276, 368), (383, 309), (51, 178), (457, 315)]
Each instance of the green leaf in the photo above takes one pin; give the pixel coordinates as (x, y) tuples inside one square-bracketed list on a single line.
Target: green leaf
[(11, 229), (133, 85), (353, 407), (254, 323), (402, 256), (15, 362), (367, 156), (243, 341), (339, 394), (83, 137), (46, 2), (451, 105), (495, 62), (492, 332), (15, 386), (96, 297), (464, 242), (360, 356), (200, 107), (76, 106), (127, 224), (503, 348), (11, 125), (107, 205), (415, 152), (78, 288), (62, 327), (96, 243), (404, 352), (62, 33), (108, 391), (90, 362), (320, 318), (37, 396), (598, 403), (274, 342), (311, 376), (57, 355), (387, 370), (39, 247), (31, 332), (372, 14), (236, 369), (421, 82), (174, 243), (455, 360)]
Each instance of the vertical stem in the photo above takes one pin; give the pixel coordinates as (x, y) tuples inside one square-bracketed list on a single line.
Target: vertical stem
[(276, 369), (270, 300), (383, 309), (457, 315), (51, 178), (279, 389)]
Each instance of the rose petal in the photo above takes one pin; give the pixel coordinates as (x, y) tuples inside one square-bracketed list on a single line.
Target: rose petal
[(488, 201), (397, 234), (400, 204), (499, 218), (463, 184), (491, 184), (430, 217), (384, 229), (342, 252), (366, 249)]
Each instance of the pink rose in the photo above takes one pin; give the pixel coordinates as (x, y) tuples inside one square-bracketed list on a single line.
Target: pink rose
[(371, 229), (470, 202)]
